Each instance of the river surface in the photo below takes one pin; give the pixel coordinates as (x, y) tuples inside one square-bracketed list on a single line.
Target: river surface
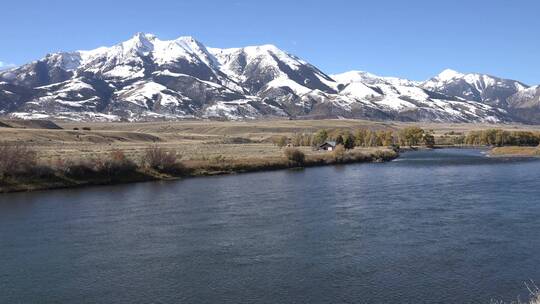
[(443, 226)]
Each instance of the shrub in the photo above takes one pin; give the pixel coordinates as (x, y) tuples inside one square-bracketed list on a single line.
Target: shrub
[(339, 153), (384, 155), (73, 169), (16, 159), (162, 160), (116, 164), (280, 141), (235, 140), (295, 156), (218, 159)]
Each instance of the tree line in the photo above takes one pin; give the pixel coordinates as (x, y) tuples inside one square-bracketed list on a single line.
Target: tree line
[(362, 137), (497, 137), (410, 136)]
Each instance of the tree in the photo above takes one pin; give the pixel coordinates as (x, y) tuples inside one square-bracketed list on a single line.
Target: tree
[(360, 137), (429, 140), (320, 137), (411, 136), (348, 141), (372, 139), (387, 138), (339, 140), (501, 137)]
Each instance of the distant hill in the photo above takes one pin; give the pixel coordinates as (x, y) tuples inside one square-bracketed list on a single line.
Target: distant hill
[(29, 124)]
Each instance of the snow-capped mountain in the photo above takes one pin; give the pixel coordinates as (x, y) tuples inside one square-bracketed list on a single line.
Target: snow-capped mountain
[(403, 99), (525, 104), (477, 87), (146, 78)]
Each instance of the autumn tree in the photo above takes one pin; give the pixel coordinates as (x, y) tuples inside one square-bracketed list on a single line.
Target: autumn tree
[(411, 136), (319, 137)]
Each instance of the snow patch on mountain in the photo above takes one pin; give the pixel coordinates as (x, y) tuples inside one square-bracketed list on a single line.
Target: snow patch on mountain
[(146, 78)]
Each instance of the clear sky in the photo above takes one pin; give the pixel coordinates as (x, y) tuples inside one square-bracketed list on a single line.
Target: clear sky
[(414, 39)]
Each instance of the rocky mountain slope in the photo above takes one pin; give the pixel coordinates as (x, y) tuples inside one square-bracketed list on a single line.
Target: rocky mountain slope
[(145, 78), (478, 87)]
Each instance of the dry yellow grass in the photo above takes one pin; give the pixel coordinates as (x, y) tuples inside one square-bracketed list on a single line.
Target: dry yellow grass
[(516, 151), (195, 140)]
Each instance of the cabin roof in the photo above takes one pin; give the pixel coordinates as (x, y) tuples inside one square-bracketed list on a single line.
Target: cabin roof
[(330, 143)]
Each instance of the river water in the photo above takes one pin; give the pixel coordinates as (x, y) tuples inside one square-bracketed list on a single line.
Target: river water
[(442, 226)]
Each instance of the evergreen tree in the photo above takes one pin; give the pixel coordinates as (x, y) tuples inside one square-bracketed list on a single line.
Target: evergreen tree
[(348, 142)]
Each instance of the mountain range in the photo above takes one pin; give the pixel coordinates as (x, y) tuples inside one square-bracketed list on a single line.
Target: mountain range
[(145, 78)]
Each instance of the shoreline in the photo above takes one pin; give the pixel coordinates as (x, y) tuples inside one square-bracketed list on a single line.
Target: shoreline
[(54, 180), (515, 152), (236, 166)]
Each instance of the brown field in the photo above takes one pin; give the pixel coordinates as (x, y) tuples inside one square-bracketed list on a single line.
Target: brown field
[(516, 151), (194, 140)]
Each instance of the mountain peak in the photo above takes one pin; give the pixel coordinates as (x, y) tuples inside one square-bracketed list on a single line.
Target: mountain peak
[(190, 43), (143, 36), (139, 43), (448, 74), (187, 39)]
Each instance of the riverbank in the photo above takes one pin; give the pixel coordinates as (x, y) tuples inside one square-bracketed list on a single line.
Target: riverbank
[(73, 154), (81, 175), (515, 151)]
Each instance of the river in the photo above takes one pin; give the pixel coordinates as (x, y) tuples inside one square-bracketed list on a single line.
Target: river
[(441, 226)]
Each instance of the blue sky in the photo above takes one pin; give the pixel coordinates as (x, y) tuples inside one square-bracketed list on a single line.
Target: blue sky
[(413, 39)]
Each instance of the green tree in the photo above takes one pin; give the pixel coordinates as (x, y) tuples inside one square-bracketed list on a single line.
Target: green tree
[(320, 137), (348, 141)]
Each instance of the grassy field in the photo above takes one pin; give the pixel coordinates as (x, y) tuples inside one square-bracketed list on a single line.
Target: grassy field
[(195, 140)]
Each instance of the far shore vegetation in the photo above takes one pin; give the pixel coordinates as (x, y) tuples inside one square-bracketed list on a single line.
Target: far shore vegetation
[(149, 155)]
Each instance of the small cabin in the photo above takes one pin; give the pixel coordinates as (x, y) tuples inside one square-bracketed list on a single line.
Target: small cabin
[(328, 146)]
